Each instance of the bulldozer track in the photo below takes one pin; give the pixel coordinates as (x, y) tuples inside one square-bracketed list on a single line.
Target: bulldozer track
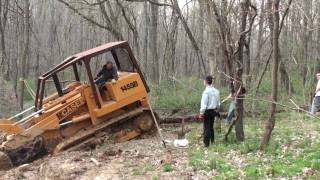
[(24, 154), (37, 147), (81, 136), (5, 161)]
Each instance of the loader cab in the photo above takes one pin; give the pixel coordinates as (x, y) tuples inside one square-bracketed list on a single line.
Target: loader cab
[(81, 68)]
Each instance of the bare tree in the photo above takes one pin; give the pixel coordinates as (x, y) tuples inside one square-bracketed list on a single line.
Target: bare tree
[(26, 51), (190, 35), (240, 66), (154, 42), (4, 64), (275, 29)]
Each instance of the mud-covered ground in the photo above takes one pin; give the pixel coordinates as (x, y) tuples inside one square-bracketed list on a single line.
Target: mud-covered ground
[(143, 158)]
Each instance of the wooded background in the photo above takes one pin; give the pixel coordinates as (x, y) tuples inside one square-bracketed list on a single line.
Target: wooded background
[(168, 40), (241, 40)]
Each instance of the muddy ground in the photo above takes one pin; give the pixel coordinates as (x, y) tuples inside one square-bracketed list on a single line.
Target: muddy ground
[(142, 158)]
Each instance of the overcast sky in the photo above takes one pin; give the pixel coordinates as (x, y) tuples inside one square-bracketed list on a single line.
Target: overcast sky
[(183, 2)]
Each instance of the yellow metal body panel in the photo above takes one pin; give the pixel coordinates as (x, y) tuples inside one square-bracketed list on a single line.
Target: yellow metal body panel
[(127, 90), (128, 84), (65, 110), (10, 128)]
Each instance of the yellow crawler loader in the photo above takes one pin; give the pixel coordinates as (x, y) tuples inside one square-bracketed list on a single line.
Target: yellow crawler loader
[(78, 110)]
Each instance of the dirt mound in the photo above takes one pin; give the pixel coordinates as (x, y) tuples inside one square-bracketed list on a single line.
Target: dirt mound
[(143, 158)]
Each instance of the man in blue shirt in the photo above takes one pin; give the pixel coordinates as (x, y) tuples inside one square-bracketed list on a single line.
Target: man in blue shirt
[(210, 106)]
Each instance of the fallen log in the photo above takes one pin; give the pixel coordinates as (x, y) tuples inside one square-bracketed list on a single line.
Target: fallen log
[(178, 119), (187, 118)]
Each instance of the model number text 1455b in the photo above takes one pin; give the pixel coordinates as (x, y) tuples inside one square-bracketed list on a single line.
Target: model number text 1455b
[(129, 86)]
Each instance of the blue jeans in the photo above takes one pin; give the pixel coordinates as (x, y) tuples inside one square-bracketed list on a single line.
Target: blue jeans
[(231, 110), (315, 105), (100, 81)]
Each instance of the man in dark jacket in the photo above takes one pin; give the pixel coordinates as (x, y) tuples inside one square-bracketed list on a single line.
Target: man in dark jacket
[(108, 72)]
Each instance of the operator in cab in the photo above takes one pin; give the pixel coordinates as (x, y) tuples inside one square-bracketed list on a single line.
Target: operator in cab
[(108, 73), (210, 107)]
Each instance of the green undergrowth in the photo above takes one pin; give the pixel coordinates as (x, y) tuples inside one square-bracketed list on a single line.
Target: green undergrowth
[(294, 151), (184, 93), (167, 167)]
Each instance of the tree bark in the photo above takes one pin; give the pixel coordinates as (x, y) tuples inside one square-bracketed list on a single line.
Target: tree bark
[(276, 59), (146, 37), (190, 36), (186, 52), (260, 38), (4, 64), (173, 40), (305, 55), (154, 42), (225, 39), (285, 80), (26, 51), (201, 27), (213, 48), (244, 6)]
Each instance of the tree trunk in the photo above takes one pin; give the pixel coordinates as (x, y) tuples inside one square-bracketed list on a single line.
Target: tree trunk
[(305, 56), (173, 33), (4, 62), (186, 52), (225, 40), (276, 58), (146, 37), (213, 48), (285, 80), (154, 42), (239, 83), (201, 27), (260, 39), (190, 36), (26, 49)]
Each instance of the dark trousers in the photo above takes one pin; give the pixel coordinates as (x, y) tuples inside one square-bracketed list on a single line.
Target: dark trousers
[(101, 81), (208, 134)]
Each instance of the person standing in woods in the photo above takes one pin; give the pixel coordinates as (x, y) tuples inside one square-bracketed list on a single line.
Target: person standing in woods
[(316, 100), (233, 96), (232, 105), (210, 106)]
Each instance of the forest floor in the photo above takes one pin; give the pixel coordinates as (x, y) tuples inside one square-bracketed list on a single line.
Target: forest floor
[(293, 153), (143, 158)]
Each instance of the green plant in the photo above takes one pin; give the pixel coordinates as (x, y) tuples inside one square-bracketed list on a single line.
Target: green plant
[(251, 171), (167, 167), (155, 178), (149, 167), (136, 172)]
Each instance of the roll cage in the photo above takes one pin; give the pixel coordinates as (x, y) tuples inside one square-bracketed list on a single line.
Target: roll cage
[(85, 58)]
